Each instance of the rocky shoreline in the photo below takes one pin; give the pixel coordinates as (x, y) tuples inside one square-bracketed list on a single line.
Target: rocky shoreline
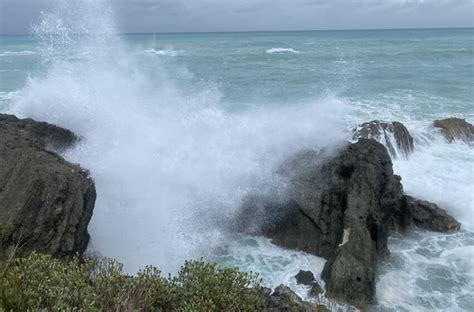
[(341, 205), (343, 209)]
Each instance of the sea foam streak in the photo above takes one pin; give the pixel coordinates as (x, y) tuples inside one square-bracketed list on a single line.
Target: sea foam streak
[(282, 50), (17, 53), (170, 169), (165, 52)]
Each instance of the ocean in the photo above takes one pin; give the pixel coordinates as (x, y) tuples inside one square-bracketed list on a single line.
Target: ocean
[(178, 128)]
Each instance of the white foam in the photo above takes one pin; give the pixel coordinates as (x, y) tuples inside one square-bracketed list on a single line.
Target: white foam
[(164, 52), (428, 272), (282, 50), (17, 53)]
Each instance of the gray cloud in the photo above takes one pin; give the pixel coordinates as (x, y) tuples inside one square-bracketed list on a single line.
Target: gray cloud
[(247, 15)]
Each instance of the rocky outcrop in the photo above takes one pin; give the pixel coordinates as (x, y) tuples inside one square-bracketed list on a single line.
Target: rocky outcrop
[(46, 203), (394, 135), (429, 216), (307, 278), (284, 299), (46, 135), (342, 208), (456, 129)]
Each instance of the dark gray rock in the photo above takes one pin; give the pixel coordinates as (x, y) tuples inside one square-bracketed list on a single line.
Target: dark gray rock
[(394, 135), (456, 129), (46, 203), (49, 136), (305, 277), (429, 216), (342, 208)]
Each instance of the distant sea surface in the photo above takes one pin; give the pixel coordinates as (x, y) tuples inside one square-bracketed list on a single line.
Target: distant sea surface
[(178, 124)]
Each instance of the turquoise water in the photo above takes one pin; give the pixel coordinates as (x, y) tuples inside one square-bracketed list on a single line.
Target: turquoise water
[(178, 128), (432, 69)]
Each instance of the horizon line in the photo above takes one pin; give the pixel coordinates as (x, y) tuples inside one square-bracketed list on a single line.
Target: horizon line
[(270, 31)]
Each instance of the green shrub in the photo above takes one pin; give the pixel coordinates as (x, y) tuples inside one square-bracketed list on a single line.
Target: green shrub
[(40, 282), (203, 286)]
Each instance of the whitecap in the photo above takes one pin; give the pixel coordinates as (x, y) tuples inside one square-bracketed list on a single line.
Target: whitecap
[(17, 53), (165, 52), (282, 50)]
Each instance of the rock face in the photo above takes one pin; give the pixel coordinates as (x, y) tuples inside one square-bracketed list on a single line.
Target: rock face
[(394, 135), (46, 203), (456, 129), (341, 208)]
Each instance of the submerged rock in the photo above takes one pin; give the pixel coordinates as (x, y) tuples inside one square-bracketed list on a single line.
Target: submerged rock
[(46, 203), (456, 129), (342, 208), (394, 135)]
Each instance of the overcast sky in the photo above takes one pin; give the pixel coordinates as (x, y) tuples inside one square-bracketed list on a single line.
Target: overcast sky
[(17, 16)]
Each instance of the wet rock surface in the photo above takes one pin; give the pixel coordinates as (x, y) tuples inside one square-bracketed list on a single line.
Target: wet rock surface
[(429, 216), (46, 203), (342, 208), (305, 277), (455, 129), (394, 135), (284, 299)]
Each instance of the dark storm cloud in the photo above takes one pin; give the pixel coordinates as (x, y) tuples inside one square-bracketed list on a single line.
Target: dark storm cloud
[(246, 15)]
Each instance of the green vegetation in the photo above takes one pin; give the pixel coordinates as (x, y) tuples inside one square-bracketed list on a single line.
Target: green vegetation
[(39, 282)]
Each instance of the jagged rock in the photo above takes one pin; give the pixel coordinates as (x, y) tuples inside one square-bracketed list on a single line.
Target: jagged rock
[(391, 134), (315, 290), (46, 203), (456, 129), (429, 216), (342, 208), (284, 299), (305, 277)]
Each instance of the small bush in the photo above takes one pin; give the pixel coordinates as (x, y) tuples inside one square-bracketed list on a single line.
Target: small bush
[(40, 282)]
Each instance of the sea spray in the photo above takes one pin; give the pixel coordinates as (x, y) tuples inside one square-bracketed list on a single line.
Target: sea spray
[(430, 271), (117, 99), (170, 168)]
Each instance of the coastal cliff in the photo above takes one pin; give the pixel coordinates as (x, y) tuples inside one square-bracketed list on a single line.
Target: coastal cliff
[(46, 203)]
